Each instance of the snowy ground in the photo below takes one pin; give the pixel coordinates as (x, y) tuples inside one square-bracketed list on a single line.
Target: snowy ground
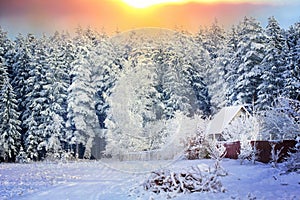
[(91, 180)]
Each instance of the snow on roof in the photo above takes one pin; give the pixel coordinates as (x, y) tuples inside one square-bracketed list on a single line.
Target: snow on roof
[(223, 118)]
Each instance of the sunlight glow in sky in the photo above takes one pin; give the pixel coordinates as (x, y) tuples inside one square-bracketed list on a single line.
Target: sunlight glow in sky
[(148, 3), (145, 4), (48, 15)]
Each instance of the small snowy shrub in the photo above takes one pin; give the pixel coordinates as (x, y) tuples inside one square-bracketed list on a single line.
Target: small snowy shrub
[(275, 155), (51, 157), (242, 128), (292, 163), (62, 156), (248, 151), (245, 131), (217, 152), (22, 156), (186, 181), (196, 147), (281, 121), (195, 143)]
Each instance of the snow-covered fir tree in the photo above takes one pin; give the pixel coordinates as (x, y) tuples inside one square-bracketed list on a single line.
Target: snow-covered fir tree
[(184, 86), (273, 66), (10, 136), (82, 119), (292, 74), (56, 87), (3, 73), (6, 45), (195, 63), (175, 90), (24, 48), (249, 55), (214, 43), (231, 63), (108, 65), (34, 119), (214, 38)]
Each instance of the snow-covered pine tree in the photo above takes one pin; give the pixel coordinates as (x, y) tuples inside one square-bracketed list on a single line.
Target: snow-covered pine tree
[(200, 36), (82, 119), (24, 48), (3, 71), (82, 116), (214, 43), (10, 136), (175, 91), (248, 57), (57, 81), (292, 74), (159, 56), (273, 66), (231, 62), (6, 45), (183, 62), (34, 119), (166, 75), (194, 64), (62, 54), (107, 65), (214, 39)]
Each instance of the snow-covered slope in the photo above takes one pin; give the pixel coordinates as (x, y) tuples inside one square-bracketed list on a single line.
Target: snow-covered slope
[(98, 180)]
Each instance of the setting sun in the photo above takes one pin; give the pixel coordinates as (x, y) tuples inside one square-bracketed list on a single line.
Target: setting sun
[(145, 4)]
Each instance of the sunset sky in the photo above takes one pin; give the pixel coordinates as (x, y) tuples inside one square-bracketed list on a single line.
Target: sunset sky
[(49, 15)]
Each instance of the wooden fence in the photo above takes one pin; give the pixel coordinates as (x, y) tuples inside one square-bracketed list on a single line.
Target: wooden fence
[(264, 149), (149, 155)]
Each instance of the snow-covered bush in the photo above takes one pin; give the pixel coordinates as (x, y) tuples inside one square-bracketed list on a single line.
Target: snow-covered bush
[(61, 156), (292, 163), (196, 147), (167, 136), (275, 155), (281, 121), (217, 152), (242, 128), (22, 156), (248, 151), (196, 142), (185, 181)]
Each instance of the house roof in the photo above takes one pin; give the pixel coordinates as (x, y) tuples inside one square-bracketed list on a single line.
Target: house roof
[(223, 118)]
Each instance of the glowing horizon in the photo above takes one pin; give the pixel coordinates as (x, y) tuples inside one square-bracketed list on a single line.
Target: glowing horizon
[(149, 3), (142, 4), (122, 15)]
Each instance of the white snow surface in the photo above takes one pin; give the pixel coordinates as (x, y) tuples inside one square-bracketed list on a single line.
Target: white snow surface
[(91, 180)]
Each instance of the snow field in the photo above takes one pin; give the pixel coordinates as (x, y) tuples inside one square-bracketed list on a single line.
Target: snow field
[(123, 180)]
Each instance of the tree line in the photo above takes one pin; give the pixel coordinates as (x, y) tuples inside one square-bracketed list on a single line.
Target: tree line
[(59, 90)]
